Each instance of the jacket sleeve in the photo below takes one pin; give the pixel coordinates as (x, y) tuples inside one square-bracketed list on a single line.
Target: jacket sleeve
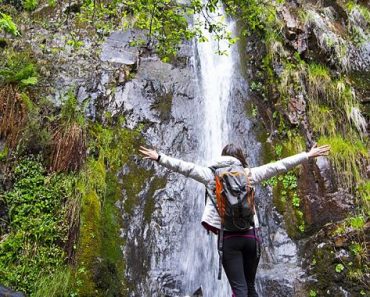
[(261, 173), (199, 173)]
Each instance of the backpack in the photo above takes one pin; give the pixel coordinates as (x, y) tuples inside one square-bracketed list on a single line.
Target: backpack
[(234, 203), (234, 198)]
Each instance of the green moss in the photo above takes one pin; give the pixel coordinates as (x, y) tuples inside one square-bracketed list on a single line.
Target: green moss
[(348, 271), (110, 273), (364, 11), (316, 114), (7, 25), (251, 109), (326, 93), (290, 80), (346, 155), (363, 192), (58, 284), (164, 105), (318, 82), (324, 257), (30, 5), (133, 183), (99, 254), (267, 149), (360, 80), (294, 143), (287, 202), (90, 242)]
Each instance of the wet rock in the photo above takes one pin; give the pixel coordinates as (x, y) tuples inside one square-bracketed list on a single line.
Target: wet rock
[(6, 292), (277, 284), (117, 48), (319, 210), (360, 57), (295, 33), (322, 200), (198, 293), (325, 175), (331, 261), (162, 97), (4, 228)]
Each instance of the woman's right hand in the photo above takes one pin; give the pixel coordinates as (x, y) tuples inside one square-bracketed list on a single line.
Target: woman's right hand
[(148, 153)]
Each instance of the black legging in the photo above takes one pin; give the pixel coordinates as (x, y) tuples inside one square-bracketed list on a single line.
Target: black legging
[(240, 262)]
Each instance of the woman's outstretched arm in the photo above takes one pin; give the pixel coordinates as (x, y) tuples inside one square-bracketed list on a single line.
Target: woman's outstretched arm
[(269, 170), (199, 173)]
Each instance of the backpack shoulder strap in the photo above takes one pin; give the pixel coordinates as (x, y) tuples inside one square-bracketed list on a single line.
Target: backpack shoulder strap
[(207, 191), (210, 196)]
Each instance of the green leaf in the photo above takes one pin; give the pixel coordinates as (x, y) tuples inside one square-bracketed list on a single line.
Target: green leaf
[(31, 81), (339, 268), (7, 24), (30, 5)]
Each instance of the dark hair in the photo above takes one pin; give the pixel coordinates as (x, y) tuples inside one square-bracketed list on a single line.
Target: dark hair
[(236, 152)]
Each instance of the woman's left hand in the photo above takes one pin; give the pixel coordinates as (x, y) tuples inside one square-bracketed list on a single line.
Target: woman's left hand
[(148, 153), (319, 151)]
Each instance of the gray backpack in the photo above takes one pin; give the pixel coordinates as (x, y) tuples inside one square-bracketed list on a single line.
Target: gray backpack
[(234, 198)]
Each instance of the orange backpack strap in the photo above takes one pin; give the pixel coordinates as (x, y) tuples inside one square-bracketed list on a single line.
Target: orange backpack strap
[(250, 197), (219, 199)]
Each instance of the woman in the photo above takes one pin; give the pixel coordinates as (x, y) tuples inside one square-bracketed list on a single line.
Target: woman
[(240, 256)]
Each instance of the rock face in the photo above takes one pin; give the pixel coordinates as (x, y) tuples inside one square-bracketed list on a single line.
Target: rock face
[(162, 97), (117, 49), (323, 202), (5, 292)]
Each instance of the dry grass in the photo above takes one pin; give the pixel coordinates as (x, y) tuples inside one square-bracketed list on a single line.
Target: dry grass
[(13, 115), (68, 148), (73, 218)]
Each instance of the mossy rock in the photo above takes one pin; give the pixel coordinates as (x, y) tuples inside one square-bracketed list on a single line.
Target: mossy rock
[(156, 184), (133, 183)]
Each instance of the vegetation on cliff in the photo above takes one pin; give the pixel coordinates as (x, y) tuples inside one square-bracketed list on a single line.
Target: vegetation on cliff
[(303, 86)]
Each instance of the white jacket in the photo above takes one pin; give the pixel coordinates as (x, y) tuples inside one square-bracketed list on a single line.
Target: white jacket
[(205, 176)]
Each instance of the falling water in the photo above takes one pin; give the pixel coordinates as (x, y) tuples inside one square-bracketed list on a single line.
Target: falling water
[(215, 74)]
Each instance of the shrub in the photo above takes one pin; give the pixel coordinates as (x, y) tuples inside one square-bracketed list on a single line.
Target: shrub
[(34, 247), (18, 68), (7, 24)]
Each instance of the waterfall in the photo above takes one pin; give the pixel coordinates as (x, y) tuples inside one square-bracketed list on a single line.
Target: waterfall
[(215, 74)]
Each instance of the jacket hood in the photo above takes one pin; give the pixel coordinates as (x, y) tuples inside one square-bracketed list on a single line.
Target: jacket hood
[(225, 161)]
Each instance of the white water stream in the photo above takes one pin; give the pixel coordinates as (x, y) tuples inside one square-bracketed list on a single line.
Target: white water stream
[(215, 73)]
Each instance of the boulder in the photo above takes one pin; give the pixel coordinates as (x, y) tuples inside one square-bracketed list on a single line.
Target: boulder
[(319, 210)]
